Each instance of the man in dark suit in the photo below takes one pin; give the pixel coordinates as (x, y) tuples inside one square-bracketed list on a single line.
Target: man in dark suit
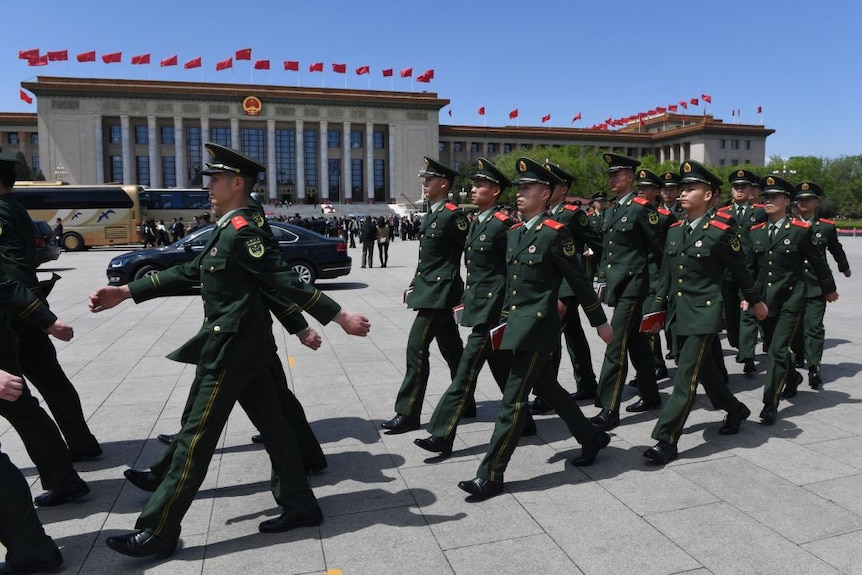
[(367, 236)]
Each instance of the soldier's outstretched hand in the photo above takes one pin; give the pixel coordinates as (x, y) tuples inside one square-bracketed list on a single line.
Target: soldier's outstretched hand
[(61, 331), (107, 297), (606, 332), (353, 323), (310, 338), (830, 297)]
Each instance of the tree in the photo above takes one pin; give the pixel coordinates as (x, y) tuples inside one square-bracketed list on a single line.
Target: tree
[(22, 170)]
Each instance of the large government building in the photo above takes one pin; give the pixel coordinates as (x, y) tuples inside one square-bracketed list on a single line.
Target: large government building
[(341, 145)]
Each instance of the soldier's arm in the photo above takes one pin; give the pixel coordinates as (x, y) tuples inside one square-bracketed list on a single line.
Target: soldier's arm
[(21, 302), (729, 252), (565, 253), (837, 250), (818, 263), (659, 301), (648, 221), (12, 255)]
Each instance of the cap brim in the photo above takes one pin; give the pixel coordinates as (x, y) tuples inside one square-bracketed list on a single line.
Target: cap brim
[(806, 195)]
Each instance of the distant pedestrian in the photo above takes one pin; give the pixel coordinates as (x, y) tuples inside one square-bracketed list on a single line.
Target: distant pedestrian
[(383, 241), (367, 235)]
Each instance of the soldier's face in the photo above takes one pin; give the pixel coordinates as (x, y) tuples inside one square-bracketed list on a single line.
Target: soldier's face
[(741, 192), (807, 206), (484, 193), (695, 196), (559, 194), (224, 189), (621, 181), (649, 193), (435, 188), (669, 194), (775, 204), (533, 199)]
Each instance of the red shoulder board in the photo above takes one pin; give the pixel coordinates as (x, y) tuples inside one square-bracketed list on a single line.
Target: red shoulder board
[(239, 222), (800, 223), (825, 221), (571, 208), (664, 212), (758, 205), (518, 225), (723, 215), (720, 225), (758, 226), (501, 216), (553, 224), (641, 201), (677, 223), (724, 209), (451, 207)]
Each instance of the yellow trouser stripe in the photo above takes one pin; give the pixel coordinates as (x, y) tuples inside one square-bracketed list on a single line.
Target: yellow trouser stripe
[(516, 415), (692, 390)]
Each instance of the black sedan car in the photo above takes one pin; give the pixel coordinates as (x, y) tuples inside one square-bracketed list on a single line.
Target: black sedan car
[(46, 244), (310, 254)]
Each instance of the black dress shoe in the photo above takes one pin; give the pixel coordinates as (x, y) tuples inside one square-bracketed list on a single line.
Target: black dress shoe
[(633, 382), (47, 565), (436, 444), (661, 372), (71, 492), (740, 359), (481, 488), (642, 405), (669, 355), (606, 420), (257, 438), (165, 438), (799, 360), (141, 544), (470, 410), (792, 384), (590, 450), (538, 407), (814, 379), (317, 467), (749, 366), (583, 394), (662, 452), (400, 424), (769, 414), (143, 479), (734, 420), (285, 522), (529, 428), (85, 454)]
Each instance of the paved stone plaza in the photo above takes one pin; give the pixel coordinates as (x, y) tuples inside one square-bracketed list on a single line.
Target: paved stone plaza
[(773, 500)]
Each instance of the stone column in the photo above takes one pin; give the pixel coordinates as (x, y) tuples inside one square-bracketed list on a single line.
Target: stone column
[(299, 196), (234, 134), (100, 149), (271, 169), (393, 193), (347, 174), (152, 138), (323, 192), (369, 161), (127, 149), (180, 152)]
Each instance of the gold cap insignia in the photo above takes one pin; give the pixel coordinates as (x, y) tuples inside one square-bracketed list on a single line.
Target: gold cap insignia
[(668, 176), (481, 165), (608, 158), (805, 186), (740, 173), (770, 181), (426, 162), (522, 166), (686, 167), (642, 174)]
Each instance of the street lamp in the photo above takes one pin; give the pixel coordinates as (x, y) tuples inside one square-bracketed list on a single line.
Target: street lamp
[(784, 172)]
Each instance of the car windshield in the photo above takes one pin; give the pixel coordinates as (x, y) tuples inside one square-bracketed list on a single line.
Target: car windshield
[(198, 238)]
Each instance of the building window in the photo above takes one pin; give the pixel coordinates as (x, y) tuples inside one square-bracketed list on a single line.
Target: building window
[(142, 135), (747, 144), (334, 169), (526, 146), (721, 162), (491, 148), (115, 134), (507, 148), (356, 178), (254, 146), (441, 147), (117, 169), (12, 138), (285, 161), (310, 154), (457, 166), (37, 167), (722, 143), (734, 162), (220, 136), (169, 171), (355, 138), (378, 140), (194, 150), (34, 138), (379, 181), (167, 135), (734, 144), (458, 146), (475, 147), (142, 169), (333, 139)]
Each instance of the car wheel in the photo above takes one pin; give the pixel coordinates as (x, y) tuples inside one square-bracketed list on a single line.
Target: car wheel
[(147, 270), (305, 271), (72, 242)]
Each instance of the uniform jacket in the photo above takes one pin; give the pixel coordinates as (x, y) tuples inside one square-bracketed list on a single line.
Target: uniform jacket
[(629, 237), (752, 215), (778, 264), (235, 268), (825, 237), (485, 257), (691, 275), (666, 219), (536, 263), (17, 242), (585, 236), (437, 283)]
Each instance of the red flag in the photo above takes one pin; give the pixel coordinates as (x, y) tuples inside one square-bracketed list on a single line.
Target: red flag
[(407, 73), (316, 67), (28, 54), (706, 98), (608, 121), (513, 114), (387, 72), (112, 58), (660, 110), (141, 59), (291, 65), (760, 109), (672, 107), (224, 64), (244, 54), (482, 111), (363, 70), (641, 120), (339, 68), (38, 61), (684, 104), (172, 61), (87, 56), (58, 56), (546, 118), (694, 101), (193, 63), (261, 65), (424, 77), (26, 97), (576, 118), (429, 73)]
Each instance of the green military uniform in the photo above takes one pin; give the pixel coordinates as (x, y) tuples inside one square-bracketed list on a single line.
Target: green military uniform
[(810, 338), (437, 288), (596, 217), (777, 260), (539, 255), (629, 228), (697, 253), (671, 179)]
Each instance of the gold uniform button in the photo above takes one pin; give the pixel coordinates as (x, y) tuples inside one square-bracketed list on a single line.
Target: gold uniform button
[(708, 302), (470, 249), (514, 307), (538, 314), (679, 294), (467, 287), (609, 265), (468, 273), (515, 276), (206, 319), (490, 294), (769, 283), (515, 262), (610, 242), (212, 269), (514, 292), (679, 280), (217, 329), (681, 266), (438, 278), (418, 273)]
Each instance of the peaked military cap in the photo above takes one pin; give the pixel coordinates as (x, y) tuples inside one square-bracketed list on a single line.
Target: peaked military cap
[(226, 160), (648, 178), (691, 171), (777, 185), (743, 177), (532, 172), (485, 170), (670, 179), (808, 190), (434, 168), (599, 196), (8, 162), (564, 176), (617, 162)]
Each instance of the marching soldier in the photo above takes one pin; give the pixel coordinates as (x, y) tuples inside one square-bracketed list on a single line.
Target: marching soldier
[(436, 288), (540, 253), (779, 248), (670, 194), (811, 334), (698, 251)]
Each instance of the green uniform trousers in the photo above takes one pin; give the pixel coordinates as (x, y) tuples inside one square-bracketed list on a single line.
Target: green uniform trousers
[(578, 348), (732, 313), (748, 329), (529, 369), (428, 325), (696, 364), (811, 334), (21, 533), (778, 332), (627, 342), (193, 447)]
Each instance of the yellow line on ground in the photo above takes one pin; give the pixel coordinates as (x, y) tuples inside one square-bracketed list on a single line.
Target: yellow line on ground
[(291, 361), (334, 572)]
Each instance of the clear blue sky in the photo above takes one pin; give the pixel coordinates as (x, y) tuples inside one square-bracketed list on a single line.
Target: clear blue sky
[(800, 60)]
